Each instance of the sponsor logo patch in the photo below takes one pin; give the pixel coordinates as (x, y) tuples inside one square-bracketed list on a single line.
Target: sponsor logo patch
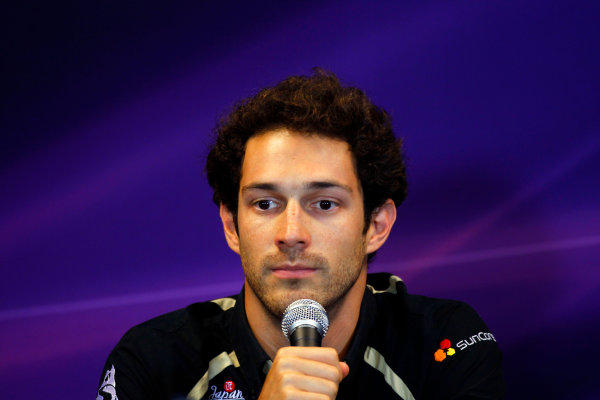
[(478, 337), (108, 388), (229, 392), (229, 386), (444, 351)]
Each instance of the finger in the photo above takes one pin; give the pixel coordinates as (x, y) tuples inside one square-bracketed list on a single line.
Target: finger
[(309, 384), (323, 354), (309, 367), (345, 369)]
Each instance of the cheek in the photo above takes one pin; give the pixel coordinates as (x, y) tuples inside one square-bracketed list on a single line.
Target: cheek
[(344, 238), (254, 235)]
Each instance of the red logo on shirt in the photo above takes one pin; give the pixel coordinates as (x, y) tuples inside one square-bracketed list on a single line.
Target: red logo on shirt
[(443, 351), (229, 386)]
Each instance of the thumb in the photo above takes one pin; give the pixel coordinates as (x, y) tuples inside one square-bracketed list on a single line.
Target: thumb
[(345, 369)]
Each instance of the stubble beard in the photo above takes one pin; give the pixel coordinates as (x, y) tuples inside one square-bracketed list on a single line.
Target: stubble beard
[(328, 286)]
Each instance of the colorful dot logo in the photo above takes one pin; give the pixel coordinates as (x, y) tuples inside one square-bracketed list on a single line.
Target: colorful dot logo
[(443, 351)]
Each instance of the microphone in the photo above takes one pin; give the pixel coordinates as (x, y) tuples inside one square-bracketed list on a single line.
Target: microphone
[(305, 323)]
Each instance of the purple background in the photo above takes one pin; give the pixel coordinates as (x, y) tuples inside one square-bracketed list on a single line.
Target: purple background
[(106, 218)]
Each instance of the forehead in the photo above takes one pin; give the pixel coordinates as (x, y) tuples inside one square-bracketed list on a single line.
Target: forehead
[(282, 155)]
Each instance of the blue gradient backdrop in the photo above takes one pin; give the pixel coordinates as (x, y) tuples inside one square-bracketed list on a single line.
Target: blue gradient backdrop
[(106, 218)]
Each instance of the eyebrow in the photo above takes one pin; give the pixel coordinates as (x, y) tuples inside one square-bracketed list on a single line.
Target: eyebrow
[(306, 186)]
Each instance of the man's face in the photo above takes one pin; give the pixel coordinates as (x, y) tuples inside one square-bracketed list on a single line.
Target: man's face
[(300, 220)]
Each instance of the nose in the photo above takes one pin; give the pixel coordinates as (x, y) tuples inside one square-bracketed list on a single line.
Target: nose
[(292, 232)]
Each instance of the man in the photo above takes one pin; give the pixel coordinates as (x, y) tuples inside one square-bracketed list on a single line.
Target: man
[(307, 175)]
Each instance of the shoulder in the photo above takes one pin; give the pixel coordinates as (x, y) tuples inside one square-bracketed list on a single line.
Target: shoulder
[(195, 317), (434, 313), (167, 353), (450, 348)]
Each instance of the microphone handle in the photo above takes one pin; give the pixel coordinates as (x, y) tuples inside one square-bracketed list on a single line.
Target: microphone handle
[(305, 336)]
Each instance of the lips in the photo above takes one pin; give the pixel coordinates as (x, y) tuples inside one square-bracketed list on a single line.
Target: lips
[(293, 271)]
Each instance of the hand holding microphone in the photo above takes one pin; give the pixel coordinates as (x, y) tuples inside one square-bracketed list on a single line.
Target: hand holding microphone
[(305, 368)]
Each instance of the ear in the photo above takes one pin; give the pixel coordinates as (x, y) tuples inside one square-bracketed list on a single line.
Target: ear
[(382, 221), (231, 234)]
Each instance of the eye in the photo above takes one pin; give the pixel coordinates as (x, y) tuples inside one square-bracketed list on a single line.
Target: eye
[(326, 205), (265, 204)]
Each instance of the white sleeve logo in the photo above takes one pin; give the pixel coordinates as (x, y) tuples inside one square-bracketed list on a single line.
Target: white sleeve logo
[(108, 388)]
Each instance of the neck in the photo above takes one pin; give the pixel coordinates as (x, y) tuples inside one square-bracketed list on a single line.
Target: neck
[(343, 318), (264, 325)]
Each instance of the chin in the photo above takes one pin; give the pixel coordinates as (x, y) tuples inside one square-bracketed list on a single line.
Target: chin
[(276, 304)]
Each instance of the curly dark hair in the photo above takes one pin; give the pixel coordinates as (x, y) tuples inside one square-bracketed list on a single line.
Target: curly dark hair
[(315, 104)]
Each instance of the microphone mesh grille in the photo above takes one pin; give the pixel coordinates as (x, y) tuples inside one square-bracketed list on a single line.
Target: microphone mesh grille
[(304, 312)]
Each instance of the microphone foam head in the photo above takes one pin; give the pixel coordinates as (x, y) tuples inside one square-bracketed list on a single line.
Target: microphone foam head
[(304, 312)]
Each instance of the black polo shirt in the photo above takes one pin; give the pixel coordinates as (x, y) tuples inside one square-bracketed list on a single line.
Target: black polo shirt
[(405, 347)]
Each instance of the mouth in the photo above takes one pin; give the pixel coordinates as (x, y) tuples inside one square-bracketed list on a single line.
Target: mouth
[(293, 271)]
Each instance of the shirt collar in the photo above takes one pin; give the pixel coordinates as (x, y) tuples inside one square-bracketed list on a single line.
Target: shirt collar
[(356, 351), (254, 362)]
